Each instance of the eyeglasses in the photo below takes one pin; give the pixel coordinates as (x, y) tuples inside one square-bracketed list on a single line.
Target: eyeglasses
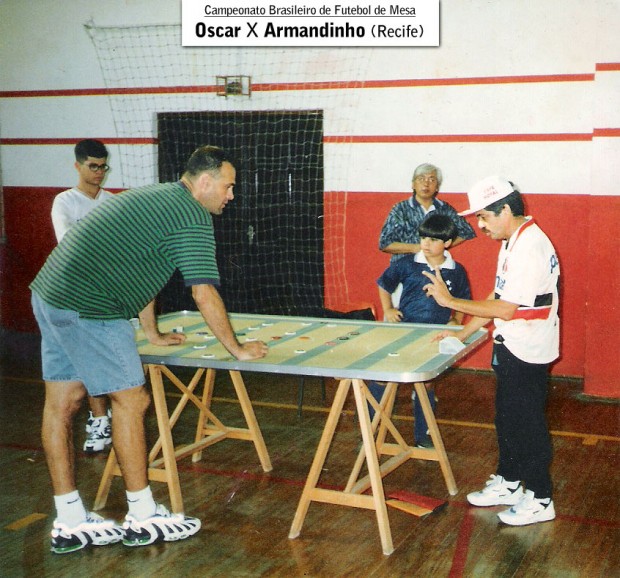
[(96, 168), (426, 179)]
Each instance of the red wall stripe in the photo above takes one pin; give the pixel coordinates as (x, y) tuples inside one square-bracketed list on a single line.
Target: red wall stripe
[(365, 139), (107, 91), (606, 132), (608, 67), (457, 138), (287, 86), (73, 140), (418, 82)]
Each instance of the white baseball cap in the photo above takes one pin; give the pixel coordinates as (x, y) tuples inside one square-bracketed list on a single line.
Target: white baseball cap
[(486, 192)]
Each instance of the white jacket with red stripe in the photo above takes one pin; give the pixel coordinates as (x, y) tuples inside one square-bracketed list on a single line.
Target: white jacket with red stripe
[(528, 275)]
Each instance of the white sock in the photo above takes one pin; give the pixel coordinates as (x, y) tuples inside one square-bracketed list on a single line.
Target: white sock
[(141, 504), (69, 509)]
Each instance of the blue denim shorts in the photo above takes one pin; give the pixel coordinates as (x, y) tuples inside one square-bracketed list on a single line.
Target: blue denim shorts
[(102, 354)]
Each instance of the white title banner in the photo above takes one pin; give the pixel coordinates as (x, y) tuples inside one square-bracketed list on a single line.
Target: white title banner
[(310, 23)]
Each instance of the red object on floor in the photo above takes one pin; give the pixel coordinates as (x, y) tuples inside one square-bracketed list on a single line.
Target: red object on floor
[(431, 504)]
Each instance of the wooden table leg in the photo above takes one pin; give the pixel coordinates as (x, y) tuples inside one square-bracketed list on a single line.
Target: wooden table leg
[(250, 418), (312, 493), (390, 394), (385, 407), (188, 395), (319, 457), (203, 417), (442, 456), (167, 445), (209, 430), (372, 463), (111, 470)]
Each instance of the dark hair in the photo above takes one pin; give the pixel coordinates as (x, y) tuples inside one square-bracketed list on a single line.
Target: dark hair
[(90, 148), (207, 158), (514, 200), (438, 227)]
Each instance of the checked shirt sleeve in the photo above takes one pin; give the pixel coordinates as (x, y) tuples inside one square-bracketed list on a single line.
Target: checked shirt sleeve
[(401, 226)]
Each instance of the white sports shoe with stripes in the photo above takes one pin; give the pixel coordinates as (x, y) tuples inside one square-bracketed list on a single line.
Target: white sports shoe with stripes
[(161, 527), (93, 531)]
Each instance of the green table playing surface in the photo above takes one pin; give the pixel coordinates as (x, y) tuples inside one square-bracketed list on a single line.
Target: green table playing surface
[(399, 352)]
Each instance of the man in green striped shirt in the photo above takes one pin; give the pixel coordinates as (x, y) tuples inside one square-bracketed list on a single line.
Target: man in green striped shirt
[(109, 268)]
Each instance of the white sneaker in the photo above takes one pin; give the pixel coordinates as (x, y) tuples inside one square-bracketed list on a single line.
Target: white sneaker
[(161, 527), (529, 510), (497, 492), (91, 418), (93, 531), (99, 434)]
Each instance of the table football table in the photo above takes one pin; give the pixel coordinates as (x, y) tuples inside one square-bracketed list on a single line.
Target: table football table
[(349, 350)]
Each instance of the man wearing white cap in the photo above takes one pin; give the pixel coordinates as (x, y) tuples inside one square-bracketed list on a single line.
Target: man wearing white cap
[(524, 309)]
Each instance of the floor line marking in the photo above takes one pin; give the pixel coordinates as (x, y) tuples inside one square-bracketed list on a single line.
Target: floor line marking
[(588, 438), (461, 549), (25, 521)]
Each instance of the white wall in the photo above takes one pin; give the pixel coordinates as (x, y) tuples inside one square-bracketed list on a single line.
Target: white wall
[(45, 46)]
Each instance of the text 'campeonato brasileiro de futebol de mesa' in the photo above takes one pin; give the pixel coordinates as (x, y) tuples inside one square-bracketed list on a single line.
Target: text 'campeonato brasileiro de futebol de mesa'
[(285, 23)]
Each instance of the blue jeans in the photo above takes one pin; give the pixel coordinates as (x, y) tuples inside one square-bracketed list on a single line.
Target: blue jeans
[(420, 426), (102, 354)]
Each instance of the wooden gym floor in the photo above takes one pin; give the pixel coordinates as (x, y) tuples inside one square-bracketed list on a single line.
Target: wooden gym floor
[(246, 513)]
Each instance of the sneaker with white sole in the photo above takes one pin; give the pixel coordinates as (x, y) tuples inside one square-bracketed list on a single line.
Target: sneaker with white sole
[(161, 527), (95, 531), (529, 510), (91, 418), (497, 492), (425, 443), (99, 434)]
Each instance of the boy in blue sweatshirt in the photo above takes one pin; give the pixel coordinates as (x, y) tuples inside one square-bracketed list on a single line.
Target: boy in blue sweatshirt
[(437, 232)]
